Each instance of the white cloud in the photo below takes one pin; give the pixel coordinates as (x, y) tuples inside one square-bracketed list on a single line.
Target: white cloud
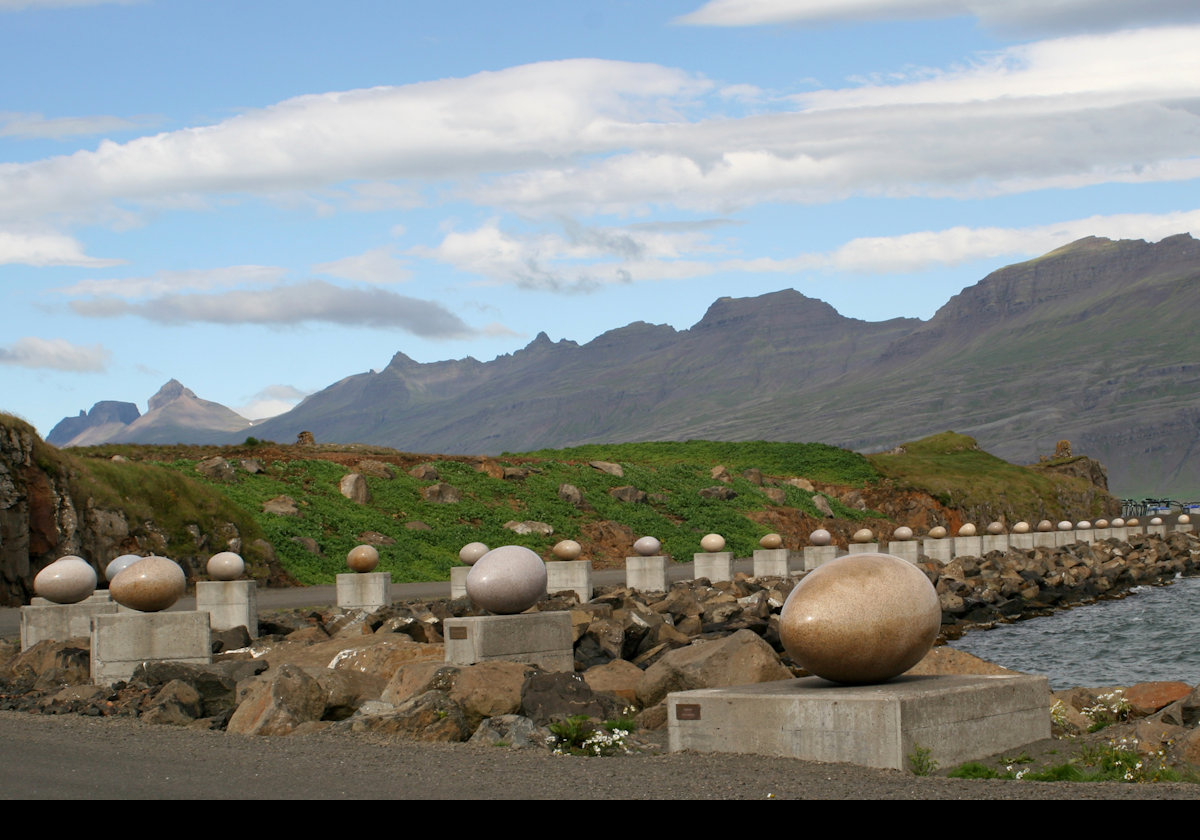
[(375, 266), (164, 282), (311, 302), (1012, 16), (38, 126), (45, 249), (54, 354), (271, 401)]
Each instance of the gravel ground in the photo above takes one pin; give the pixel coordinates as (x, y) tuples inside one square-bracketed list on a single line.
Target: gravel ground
[(72, 757)]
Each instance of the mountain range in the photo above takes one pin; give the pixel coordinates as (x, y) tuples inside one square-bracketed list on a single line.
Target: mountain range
[(1094, 342)]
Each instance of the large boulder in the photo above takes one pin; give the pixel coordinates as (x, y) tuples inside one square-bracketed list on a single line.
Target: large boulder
[(277, 703), (739, 659)]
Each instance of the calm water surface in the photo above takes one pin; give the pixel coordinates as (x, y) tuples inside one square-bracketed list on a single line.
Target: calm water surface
[(1153, 634)]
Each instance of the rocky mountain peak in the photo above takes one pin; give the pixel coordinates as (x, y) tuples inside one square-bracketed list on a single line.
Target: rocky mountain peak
[(168, 393)]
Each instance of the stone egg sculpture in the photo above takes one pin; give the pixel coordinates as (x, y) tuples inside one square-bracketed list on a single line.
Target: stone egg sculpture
[(68, 580), (1184, 519), (712, 542), (507, 580), (863, 618), (995, 528), (567, 550), (1156, 520), (225, 565), (1132, 523), (1118, 522), (820, 537), (150, 585), (1065, 525), (1101, 523), (1021, 528), (938, 532), (1045, 525), (362, 558), (902, 533), (771, 541), (471, 552), (863, 535), (968, 530), (647, 547), (118, 564), (1082, 525)]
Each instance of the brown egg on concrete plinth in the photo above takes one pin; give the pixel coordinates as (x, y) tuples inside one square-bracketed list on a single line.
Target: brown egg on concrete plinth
[(938, 532), (902, 533), (1132, 523), (1045, 526), (362, 558), (770, 541), (712, 542), (150, 585), (567, 550), (967, 530), (995, 528), (1021, 528), (863, 535), (1101, 523), (860, 619)]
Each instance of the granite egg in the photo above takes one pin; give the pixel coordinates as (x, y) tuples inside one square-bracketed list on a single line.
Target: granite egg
[(1045, 525), (647, 547), (1184, 519), (938, 532), (507, 580), (1118, 523), (1065, 525), (1101, 523), (68, 580), (967, 530), (1083, 525), (995, 528), (118, 564), (712, 542), (471, 552), (771, 541), (1156, 520), (1021, 527), (902, 533), (862, 618), (362, 558), (567, 550), (820, 537), (150, 585), (225, 565), (864, 535)]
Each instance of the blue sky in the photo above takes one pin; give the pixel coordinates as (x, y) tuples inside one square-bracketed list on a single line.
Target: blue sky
[(259, 199)]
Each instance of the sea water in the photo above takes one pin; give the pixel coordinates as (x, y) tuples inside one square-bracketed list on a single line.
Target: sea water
[(1152, 634)]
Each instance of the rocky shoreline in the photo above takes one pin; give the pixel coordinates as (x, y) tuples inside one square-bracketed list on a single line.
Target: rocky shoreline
[(382, 673)]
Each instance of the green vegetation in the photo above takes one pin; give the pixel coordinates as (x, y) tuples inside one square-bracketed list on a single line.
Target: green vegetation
[(921, 761), (577, 735)]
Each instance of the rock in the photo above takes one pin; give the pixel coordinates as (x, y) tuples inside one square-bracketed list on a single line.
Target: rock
[(619, 677), (738, 659), (552, 696), (431, 716), (441, 493), (308, 544), (860, 619), (68, 580), (425, 472), (354, 487), (150, 585), (607, 467), (529, 527), (628, 493), (721, 494), (53, 664), (414, 525), (252, 465), (225, 565), (512, 731), (570, 494), (217, 469), (647, 547), (281, 506), (377, 539), (712, 542), (277, 702), (490, 689), (514, 474), (1148, 697), (719, 473), (175, 704), (753, 475), (822, 505), (306, 439), (362, 558), (507, 580), (775, 495), (347, 690), (802, 484)]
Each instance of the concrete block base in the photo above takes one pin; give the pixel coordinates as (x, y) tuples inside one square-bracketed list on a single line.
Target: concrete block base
[(940, 550), (122, 641), (1119, 533), (1185, 527), (968, 546), (816, 555), (995, 542), (863, 548), (364, 591), (771, 562), (542, 639), (231, 603), (957, 718), (572, 575), (904, 549), (458, 581), (48, 620), (714, 565), (1099, 534), (1045, 539), (1157, 530), (1085, 535), (646, 574), (1021, 541)]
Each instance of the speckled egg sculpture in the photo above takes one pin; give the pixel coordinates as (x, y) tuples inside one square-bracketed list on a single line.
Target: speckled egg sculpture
[(771, 541), (902, 534), (863, 535), (863, 618), (507, 580), (647, 547), (1045, 526), (1065, 525), (567, 550), (1082, 525), (938, 532), (1101, 523), (1118, 523), (967, 530), (225, 565), (1021, 528), (712, 542), (119, 564), (820, 537), (68, 580), (470, 553), (150, 585), (362, 558), (995, 528), (1133, 523), (1156, 520)]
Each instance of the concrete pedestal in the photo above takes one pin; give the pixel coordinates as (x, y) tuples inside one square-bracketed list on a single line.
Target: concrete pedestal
[(1021, 541), (968, 546), (1045, 539), (364, 590), (543, 639), (1157, 530), (863, 548), (818, 555), (714, 565), (772, 562), (1121, 533), (231, 603), (1085, 535), (122, 641), (100, 596), (940, 550), (904, 549), (48, 620), (458, 581), (994, 542), (572, 575), (1099, 534), (1185, 527), (1130, 530), (957, 718), (646, 574)]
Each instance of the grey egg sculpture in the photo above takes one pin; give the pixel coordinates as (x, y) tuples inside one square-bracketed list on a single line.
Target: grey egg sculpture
[(820, 537), (225, 565), (1082, 525), (647, 547), (68, 580), (507, 580), (1156, 520), (1184, 519), (902, 534), (1118, 522), (1065, 525), (863, 535), (119, 564), (470, 553)]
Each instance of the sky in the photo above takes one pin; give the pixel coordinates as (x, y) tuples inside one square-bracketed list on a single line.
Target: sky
[(260, 199)]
